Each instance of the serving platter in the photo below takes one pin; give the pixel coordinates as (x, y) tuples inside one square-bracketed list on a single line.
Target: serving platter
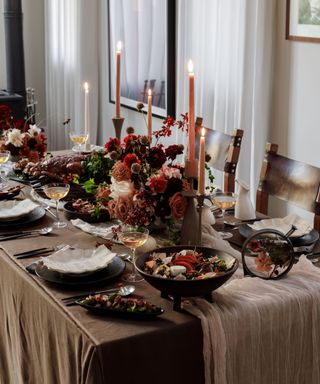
[(113, 270), (121, 313)]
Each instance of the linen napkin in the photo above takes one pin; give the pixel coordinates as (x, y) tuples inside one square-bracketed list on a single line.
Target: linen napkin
[(103, 230), (79, 261), (11, 209), (263, 331), (284, 225)]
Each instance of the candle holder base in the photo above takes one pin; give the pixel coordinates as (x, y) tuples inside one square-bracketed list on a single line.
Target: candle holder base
[(118, 123), (191, 231), (191, 168)]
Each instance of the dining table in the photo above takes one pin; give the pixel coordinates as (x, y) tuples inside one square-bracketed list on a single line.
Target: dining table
[(44, 341)]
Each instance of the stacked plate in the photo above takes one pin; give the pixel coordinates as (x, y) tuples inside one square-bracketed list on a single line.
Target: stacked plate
[(80, 266), (19, 212)]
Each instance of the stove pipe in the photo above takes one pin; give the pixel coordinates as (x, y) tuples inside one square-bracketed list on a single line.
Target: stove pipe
[(14, 47)]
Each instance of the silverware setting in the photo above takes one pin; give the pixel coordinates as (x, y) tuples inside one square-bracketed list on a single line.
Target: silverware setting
[(45, 251), (123, 291), (23, 234), (35, 252)]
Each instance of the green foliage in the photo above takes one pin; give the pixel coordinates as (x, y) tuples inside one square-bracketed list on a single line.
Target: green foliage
[(211, 186), (90, 186), (98, 167)]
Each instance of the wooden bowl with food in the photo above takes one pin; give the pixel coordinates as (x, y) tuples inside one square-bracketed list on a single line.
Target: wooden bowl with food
[(186, 270)]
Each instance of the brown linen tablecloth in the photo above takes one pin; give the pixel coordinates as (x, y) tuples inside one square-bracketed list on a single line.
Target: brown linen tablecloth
[(43, 341)]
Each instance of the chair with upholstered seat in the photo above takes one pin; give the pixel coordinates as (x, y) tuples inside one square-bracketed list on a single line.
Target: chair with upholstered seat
[(289, 180), (224, 150)]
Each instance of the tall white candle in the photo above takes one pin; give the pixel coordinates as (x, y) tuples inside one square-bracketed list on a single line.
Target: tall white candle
[(149, 119), (201, 165), (191, 112), (86, 113), (118, 74)]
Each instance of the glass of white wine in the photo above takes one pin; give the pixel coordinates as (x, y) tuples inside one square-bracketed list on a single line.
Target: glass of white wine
[(224, 200), (56, 192), (133, 237), (4, 157), (79, 138)]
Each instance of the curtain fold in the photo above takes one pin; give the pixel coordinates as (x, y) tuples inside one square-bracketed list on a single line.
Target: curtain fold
[(72, 57), (231, 44)]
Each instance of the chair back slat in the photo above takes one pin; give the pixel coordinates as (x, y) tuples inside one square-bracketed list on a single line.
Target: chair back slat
[(289, 180), (224, 150)]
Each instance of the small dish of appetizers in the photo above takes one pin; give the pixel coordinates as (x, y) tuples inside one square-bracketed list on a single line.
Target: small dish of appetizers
[(86, 210)]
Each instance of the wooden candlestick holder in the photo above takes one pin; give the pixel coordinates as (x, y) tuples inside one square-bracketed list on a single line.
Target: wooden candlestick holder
[(118, 123), (191, 230)]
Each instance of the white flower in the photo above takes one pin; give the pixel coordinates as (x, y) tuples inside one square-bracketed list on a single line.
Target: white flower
[(34, 130), (171, 172), (14, 137), (121, 188)]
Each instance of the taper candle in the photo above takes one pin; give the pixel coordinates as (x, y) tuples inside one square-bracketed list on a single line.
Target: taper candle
[(118, 74), (191, 112), (201, 169), (86, 112), (149, 117)]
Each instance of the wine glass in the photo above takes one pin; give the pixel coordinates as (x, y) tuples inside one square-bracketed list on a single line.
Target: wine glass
[(56, 192), (133, 237), (79, 138), (4, 157), (224, 200)]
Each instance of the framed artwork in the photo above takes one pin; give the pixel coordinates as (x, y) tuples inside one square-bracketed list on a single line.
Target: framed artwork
[(303, 20), (146, 30)]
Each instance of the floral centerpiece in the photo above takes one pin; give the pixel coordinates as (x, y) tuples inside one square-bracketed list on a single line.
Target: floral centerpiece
[(140, 183), (23, 140)]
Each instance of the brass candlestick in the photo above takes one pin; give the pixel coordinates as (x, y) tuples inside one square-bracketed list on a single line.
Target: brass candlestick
[(117, 123)]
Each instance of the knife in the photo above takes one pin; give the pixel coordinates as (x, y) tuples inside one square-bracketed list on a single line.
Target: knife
[(13, 237), (32, 251), (39, 253)]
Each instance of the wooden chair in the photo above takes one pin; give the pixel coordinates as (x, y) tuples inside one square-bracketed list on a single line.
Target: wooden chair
[(289, 180), (224, 150)]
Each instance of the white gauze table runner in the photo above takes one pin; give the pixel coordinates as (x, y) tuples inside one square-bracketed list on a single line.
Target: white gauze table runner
[(259, 331)]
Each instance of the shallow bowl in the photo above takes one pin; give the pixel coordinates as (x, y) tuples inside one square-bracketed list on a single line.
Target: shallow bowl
[(186, 288)]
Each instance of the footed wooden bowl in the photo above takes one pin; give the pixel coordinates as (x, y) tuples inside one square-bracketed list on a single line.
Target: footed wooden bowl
[(186, 288)]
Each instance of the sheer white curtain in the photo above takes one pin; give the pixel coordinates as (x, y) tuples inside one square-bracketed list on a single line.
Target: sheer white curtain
[(231, 44), (71, 29), (142, 30)]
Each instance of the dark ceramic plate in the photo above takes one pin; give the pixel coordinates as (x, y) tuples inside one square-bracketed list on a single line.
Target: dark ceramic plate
[(307, 239), (180, 288), (71, 214), (114, 269), (31, 217), (113, 312), (10, 193)]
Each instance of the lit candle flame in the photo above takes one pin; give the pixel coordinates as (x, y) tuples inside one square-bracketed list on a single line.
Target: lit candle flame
[(190, 66), (119, 46), (149, 92), (86, 87), (203, 132)]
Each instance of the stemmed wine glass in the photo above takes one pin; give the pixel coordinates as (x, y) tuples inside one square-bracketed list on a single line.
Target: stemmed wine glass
[(133, 237), (79, 138), (4, 157), (56, 192), (224, 200)]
